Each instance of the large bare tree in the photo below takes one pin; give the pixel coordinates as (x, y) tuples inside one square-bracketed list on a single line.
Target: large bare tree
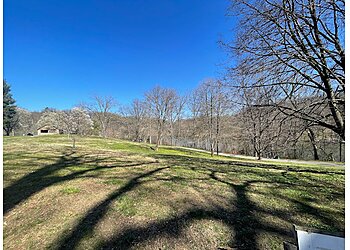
[(137, 114), (296, 46), (263, 125), (101, 109), (161, 102), (194, 107), (209, 103), (176, 114)]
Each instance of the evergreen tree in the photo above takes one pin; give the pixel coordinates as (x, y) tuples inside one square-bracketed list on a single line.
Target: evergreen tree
[(10, 117)]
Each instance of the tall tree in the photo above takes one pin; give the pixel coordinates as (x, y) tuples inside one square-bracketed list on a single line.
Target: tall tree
[(25, 121), (176, 114), (136, 113), (297, 46), (9, 109), (213, 104), (263, 125), (75, 121), (194, 106), (161, 102), (50, 118), (101, 109)]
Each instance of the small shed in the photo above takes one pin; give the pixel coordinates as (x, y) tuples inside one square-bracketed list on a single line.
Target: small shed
[(48, 130)]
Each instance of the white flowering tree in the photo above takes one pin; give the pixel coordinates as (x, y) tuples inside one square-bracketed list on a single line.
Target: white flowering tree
[(71, 122), (76, 121), (26, 122), (50, 118)]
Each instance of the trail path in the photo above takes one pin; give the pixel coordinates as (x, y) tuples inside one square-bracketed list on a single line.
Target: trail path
[(320, 163)]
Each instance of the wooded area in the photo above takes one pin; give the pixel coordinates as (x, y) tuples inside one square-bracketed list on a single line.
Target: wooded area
[(205, 119)]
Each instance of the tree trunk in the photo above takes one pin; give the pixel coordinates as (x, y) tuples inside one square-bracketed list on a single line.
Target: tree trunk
[(212, 148), (172, 139), (332, 104), (259, 155), (7, 132), (312, 138), (157, 144), (159, 138), (217, 134), (211, 126)]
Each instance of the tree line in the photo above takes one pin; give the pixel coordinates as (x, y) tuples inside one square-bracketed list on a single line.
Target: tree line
[(206, 118)]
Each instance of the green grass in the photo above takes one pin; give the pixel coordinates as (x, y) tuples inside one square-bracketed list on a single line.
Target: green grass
[(109, 192), (114, 181), (70, 190), (126, 206)]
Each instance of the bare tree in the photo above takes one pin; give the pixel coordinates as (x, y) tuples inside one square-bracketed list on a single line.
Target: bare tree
[(298, 47), (210, 103), (262, 124), (136, 113), (206, 112), (176, 114), (160, 102), (194, 106), (222, 107), (101, 109)]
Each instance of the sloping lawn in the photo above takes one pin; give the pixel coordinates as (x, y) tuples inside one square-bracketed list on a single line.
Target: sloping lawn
[(112, 194)]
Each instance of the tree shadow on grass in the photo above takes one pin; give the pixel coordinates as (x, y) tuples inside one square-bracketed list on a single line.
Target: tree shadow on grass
[(38, 180), (278, 179), (243, 217), (87, 224), (240, 218)]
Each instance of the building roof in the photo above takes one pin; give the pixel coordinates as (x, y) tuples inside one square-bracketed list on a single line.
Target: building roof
[(47, 126)]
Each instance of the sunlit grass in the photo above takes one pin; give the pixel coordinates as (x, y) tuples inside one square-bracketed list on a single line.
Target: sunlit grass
[(108, 191)]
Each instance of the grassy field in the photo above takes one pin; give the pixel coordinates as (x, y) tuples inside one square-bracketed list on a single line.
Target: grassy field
[(112, 194)]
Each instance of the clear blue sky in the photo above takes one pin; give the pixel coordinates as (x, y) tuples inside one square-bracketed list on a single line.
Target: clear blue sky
[(59, 53)]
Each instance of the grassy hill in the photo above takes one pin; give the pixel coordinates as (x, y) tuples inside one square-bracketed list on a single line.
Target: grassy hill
[(112, 194)]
